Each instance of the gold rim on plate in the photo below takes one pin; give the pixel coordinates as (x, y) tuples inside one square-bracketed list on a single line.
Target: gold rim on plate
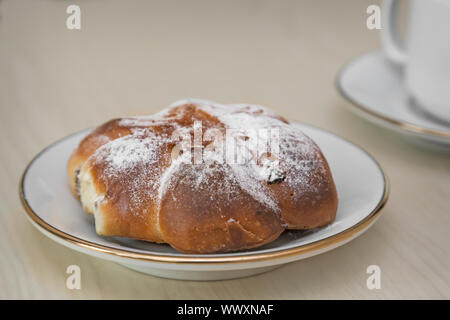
[(250, 257), (398, 124)]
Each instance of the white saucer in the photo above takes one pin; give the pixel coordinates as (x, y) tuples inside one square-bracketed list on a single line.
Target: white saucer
[(376, 89), (362, 189)]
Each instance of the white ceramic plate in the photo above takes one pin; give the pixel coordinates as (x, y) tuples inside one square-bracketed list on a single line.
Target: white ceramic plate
[(376, 89), (361, 184)]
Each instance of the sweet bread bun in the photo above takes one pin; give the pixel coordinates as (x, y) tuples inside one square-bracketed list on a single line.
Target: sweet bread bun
[(172, 177)]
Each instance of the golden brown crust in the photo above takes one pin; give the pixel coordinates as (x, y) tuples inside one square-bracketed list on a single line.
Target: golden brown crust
[(100, 136), (312, 208), (196, 222), (127, 175)]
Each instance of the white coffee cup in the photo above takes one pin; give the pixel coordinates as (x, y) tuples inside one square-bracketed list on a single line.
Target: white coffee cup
[(426, 57)]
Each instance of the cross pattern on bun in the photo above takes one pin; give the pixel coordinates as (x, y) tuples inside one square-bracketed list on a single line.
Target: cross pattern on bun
[(132, 175)]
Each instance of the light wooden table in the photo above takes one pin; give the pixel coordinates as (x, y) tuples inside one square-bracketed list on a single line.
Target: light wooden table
[(135, 57)]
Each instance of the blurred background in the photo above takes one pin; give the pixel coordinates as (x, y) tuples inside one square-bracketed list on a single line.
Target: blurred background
[(136, 57)]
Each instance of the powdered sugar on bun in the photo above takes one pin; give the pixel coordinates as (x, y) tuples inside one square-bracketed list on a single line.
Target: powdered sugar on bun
[(183, 175)]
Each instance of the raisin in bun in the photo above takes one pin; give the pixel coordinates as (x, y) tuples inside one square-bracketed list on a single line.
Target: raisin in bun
[(170, 178)]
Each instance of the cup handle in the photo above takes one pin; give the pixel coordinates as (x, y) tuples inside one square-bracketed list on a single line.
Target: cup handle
[(389, 36)]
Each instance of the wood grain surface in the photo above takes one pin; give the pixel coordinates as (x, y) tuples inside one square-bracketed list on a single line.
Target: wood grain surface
[(136, 57)]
